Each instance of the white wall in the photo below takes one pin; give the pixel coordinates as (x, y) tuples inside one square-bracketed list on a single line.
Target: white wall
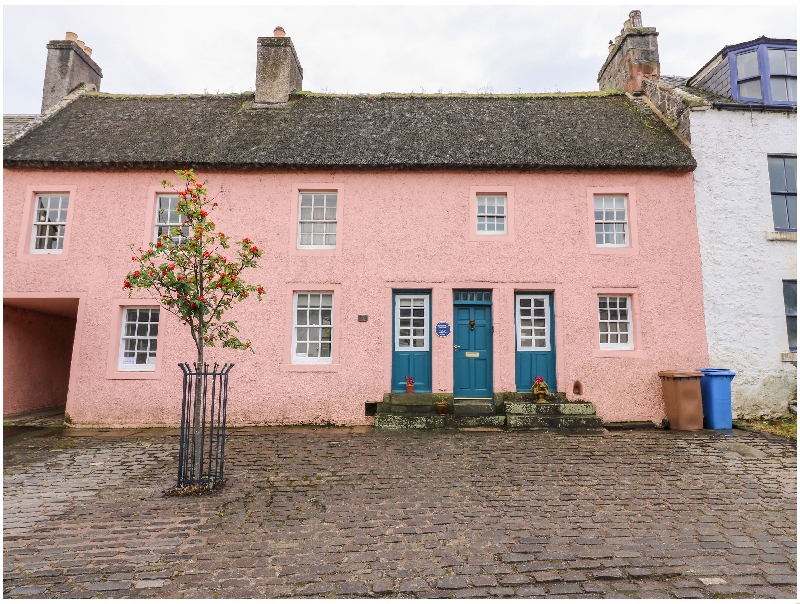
[(742, 269)]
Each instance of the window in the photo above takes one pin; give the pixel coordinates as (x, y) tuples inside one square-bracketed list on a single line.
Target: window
[(533, 322), (766, 74), (611, 221), (139, 341), (615, 322), (412, 322), (167, 218), (790, 303), (312, 339), (317, 221), (49, 223), (491, 217), (783, 187)]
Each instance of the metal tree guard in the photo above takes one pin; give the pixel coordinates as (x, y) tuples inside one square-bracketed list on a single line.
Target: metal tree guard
[(207, 448)]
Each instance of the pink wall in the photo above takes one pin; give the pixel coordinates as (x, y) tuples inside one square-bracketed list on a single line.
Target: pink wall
[(37, 350), (397, 229)]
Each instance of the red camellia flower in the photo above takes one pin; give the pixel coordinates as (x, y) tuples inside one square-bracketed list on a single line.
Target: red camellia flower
[(192, 305), (126, 284), (135, 273), (203, 213), (260, 290), (171, 267), (180, 277), (245, 240), (253, 249), (164, 271)]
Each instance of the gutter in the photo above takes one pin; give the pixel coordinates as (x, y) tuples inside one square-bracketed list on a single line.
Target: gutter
[(757, 107)]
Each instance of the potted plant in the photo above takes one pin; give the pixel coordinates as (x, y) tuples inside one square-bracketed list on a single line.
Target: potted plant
[(441, 406), (540, 390), (409, 384)]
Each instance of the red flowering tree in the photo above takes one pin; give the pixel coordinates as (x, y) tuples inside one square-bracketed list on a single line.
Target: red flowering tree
[(188, 271)]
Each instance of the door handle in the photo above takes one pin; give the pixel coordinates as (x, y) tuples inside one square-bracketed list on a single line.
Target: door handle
[(456, 346)]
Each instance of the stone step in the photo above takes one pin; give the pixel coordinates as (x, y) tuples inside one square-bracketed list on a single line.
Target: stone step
[(554, 422), (393, 421), (473, 407), (550, 408)]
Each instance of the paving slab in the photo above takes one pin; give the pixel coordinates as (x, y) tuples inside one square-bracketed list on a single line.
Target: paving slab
[(351, 512)]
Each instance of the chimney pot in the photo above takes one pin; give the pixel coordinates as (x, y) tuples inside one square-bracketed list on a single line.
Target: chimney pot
[(279, 32), (80, 43), (71, 36), (87, 50)]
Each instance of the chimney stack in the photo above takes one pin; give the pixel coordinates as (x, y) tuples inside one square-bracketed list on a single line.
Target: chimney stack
[(68, 66), (632, 57), (278, 71)]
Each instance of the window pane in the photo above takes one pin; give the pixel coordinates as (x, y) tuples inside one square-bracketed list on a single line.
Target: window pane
[(780, 215), (791, 328), (777, 61), (777, 173), (750, 89), (790, 297), (747, 65), (779, 90), (791, 174), (791, 208), (791, 62)]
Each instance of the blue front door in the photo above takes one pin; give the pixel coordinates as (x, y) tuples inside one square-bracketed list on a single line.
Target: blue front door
[(411, 340), (472, 343), (535, 340)]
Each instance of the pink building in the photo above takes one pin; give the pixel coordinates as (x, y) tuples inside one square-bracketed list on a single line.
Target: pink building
[(473, 242)]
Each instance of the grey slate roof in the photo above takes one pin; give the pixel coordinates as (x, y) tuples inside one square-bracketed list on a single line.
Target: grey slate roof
[(589, 130), (12, 124)]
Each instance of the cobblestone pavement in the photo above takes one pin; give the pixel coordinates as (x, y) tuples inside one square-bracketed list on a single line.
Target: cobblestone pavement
[(348, 513)]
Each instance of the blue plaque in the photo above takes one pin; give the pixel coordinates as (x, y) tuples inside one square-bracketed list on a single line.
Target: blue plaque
[(442, 329)]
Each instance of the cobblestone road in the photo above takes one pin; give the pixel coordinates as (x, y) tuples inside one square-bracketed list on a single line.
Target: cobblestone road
[(346, 512)]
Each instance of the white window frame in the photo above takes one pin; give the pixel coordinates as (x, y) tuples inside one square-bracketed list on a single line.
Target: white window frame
[(168, 225), (629, 345), (626, 222), (519, 326), (306, 360), (60, 224), (485, 215), (150, 366), (325, 220), (426, 325)]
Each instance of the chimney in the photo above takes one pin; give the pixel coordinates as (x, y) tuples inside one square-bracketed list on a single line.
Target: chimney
[(68, 66), (632, 57), (278, 71)]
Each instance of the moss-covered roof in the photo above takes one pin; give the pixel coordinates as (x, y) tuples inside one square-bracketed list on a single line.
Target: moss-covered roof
[(524, 131)]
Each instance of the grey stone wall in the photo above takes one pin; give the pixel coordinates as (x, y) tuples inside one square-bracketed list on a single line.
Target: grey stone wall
[(673, 103), (68, 66)]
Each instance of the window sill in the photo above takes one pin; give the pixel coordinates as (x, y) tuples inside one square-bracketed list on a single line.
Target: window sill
[(781, 235), (291, 367), (788, 357)]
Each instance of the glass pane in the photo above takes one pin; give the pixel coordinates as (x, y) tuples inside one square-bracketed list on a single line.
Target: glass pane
[(313, 334), (527, 343), (404, 343), (302, 318), (313, 317), (523, 302), (313, 300), (791, 328), (779, 89), (791, 174), (142, 329), (327, 299), (750, 89), (305, 201), (302, 349), (790, 297), (325, 350), (791, 62), (305, 213), (313, 349), (326, 317), (141, 358), (144, 314), (777, 173), (777, 60), (419, 344), (540, 343), (780, 216), (791, 208), (330, 213), (302, 334), (131, 314), (330, 239), (747, 65)]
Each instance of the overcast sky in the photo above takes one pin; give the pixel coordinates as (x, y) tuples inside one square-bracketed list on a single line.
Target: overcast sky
[(356, 49)]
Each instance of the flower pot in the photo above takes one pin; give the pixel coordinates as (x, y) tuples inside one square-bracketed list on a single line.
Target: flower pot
[(409, 388), (441, 407)]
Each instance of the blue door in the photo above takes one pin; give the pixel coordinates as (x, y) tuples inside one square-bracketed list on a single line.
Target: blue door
[(536, 340), (472, 343), (411, 340)]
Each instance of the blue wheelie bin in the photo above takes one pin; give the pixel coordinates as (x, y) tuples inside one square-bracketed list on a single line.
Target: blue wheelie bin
[(715, 388)]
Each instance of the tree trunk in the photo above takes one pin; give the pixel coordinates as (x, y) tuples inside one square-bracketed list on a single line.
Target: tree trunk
[(197, 451)]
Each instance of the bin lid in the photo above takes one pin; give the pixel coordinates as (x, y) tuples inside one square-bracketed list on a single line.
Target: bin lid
[(679, 373), (717, 371)]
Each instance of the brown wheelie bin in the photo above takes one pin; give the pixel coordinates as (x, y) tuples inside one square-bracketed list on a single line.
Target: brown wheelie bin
[(682, 399)]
